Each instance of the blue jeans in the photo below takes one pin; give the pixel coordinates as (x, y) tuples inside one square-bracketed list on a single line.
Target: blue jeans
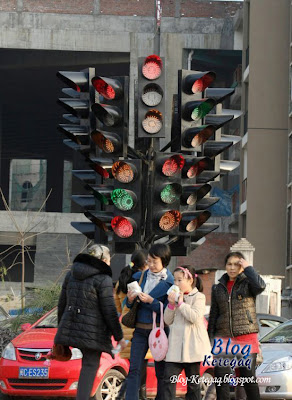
[(139, 349)]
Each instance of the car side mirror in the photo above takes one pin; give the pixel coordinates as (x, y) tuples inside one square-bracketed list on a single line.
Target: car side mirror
[(25, 327)]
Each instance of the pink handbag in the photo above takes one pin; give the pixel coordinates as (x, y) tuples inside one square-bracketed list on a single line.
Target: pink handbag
[(158, 342)]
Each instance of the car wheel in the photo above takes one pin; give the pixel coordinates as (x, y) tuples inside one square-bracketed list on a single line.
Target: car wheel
[(204, 386), (110, 385)]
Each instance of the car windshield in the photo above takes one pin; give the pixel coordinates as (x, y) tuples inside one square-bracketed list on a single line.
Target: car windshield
[(50, 321), (281, 334)]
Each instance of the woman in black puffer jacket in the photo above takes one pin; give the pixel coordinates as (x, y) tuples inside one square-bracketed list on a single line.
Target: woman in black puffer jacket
[(87, 315), (233, 320)]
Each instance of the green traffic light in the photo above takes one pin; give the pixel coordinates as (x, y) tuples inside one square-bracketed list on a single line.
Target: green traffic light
[(122, 199), (170, 194), (202, 110)]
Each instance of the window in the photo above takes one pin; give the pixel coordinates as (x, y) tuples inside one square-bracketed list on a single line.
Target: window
[(27, 184)]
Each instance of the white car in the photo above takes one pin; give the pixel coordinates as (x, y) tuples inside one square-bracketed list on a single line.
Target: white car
[(275, 373)]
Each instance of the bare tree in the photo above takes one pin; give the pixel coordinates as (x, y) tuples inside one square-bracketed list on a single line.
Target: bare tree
[(24, 235)]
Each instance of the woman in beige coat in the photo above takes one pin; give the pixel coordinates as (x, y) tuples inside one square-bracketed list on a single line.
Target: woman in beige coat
[(188, 337)]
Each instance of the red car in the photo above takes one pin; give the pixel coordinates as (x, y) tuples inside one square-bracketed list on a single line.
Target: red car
[(24, 370)]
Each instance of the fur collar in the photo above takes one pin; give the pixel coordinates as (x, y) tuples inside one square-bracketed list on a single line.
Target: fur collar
[(94, 262)]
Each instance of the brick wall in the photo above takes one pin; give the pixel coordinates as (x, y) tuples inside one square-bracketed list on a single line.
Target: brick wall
[(170, 8), (8, 5), (210, 256), (208, 281), (59, 7), (128, 7), (207, 9)]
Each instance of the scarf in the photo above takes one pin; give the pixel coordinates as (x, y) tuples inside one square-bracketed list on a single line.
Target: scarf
[(153, 278)]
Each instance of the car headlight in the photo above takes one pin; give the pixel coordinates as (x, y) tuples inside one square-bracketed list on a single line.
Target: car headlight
[(279, 365), (9, 352), (76, 354)]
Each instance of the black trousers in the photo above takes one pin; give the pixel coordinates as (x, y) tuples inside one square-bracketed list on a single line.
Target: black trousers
[(251, 389), (192, 371), (90, 364)]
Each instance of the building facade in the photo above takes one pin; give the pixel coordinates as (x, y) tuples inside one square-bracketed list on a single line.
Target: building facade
[(37, 39), (266, 162)]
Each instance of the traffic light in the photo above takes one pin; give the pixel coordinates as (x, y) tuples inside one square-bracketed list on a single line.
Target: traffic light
[(199, 124), (120, 199), (112, 112), (194, 203), (78, 103), (127, 198), (192, 107), (151, 97), (167, 190)]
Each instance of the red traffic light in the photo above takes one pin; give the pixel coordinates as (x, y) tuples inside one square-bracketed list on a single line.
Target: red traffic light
[(197, 82), (109, 88), (122, 226), (152, 67), (195, 166), (173, 165)]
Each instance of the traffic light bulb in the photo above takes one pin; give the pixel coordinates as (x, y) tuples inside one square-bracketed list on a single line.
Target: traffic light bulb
[(152, 123), (201, 84), (169, 220), (173, 165), (104, 89), (122, 227), (123, 172), (152, 67), (122, 199), (152, 95), (170, 193), (198, 221), (191, 200), (102, 142), (198, 86), (202, 110)]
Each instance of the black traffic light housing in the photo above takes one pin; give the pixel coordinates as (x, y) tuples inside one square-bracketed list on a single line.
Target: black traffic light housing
[(151, 97), (128, 201), (112, 113)]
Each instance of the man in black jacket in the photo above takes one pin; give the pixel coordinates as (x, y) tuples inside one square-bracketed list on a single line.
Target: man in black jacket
[(87, 316)]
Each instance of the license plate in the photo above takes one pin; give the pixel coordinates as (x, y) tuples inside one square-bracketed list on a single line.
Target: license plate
[(34, 373)]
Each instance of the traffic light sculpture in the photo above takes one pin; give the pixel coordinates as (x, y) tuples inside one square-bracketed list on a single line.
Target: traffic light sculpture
[(151, 97), (137, 197)]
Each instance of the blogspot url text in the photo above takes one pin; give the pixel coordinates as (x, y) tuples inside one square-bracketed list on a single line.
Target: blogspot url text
[(227, 378)]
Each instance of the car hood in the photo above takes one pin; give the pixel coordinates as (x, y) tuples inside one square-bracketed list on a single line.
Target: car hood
[(36, 338), (274, 351)]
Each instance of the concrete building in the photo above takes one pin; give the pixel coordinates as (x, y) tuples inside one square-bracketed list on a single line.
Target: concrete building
[(38, 38), (265, 202)]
